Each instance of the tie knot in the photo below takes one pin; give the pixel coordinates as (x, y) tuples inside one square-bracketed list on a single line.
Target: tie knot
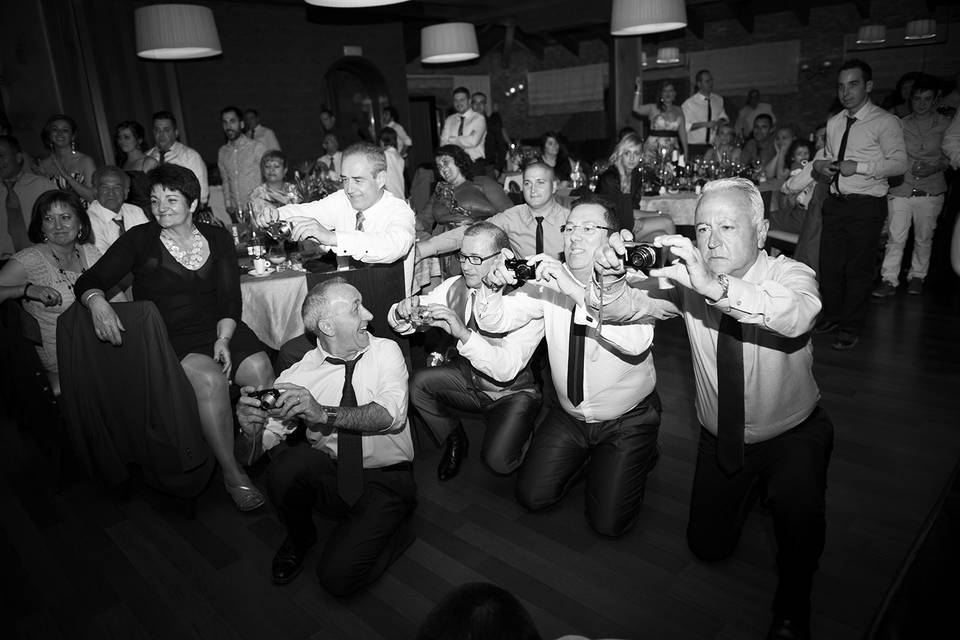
[(349, 364), (10, 183), (539, 219), (850, 121)]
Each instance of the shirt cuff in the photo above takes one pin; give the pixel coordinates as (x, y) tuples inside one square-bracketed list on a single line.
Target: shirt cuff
[(584, 317)]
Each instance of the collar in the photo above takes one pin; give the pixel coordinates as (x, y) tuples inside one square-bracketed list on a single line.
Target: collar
[(864, 109), (758, 270), (241, 141), (467, 114), (323, 354), (15, 178), (552, 210), (102, 212)]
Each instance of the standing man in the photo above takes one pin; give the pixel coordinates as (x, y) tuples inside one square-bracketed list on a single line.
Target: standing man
[(19, 190), (490, 377), (169, 149), (864, 147), (919, 198), (703, 111), (350, 393), (532, 227), (748, 317), (239, 162), (750, 111), (466, 128), (390, 119), (110, 216), (256, 131), (605, 416)]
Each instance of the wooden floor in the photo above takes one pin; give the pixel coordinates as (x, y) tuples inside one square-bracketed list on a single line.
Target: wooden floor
[(81, 563)]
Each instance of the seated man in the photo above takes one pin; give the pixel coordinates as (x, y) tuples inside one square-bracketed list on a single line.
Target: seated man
[(110, 215), (761, 148), (351, 395), (606, 414), (748, 318), (491, 377), (533, 227)]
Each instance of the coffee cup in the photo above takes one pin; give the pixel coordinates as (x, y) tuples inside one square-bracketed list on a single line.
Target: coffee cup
[(260, 266)]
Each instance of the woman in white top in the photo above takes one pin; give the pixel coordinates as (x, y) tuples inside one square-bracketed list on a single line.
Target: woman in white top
[(395, 184), (389, 118)]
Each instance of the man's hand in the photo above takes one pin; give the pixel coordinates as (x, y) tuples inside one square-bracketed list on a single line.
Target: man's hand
[(825, 167), (923, 169), (445, 318), (303, 228), (691, 270), (499, 275), (847, 168), (297, 402), (608, 259), (267, 214), (407, 308), (249, 414), (550, 273)]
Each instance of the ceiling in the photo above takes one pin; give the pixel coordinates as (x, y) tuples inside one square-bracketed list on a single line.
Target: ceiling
[(537, 23)]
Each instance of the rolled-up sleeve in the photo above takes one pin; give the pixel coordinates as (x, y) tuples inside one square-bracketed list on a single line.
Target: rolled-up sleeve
[(392, 387), (504, 361), (893, 151), (498, 313)]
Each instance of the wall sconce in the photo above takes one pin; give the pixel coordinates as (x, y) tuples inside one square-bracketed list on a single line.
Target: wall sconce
[(448, 42), (176, 32), (668, 55), (872, 34), (817, 69), (921, 30)]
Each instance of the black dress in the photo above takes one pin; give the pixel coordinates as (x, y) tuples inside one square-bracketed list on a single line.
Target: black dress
[(609, 187), (191, 303)]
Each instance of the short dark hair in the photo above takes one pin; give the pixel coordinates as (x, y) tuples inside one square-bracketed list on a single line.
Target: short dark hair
[(539, 165), (388, 137), (765, 116), (478, 610), (926, 82), (479, 93), (48, 125), (273, 154), (253, 111), (463, 90), (857, 63), (609, 211), (176, 178), (459, 156), (229, 108), (498, 237), (165, 115), (700, 73), (13, 142), (42, 207), (393, 113)]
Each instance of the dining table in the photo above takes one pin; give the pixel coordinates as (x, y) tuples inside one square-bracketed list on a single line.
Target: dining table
[(682, 206)]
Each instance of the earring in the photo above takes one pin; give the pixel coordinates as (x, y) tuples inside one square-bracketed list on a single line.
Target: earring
[(73, 147)]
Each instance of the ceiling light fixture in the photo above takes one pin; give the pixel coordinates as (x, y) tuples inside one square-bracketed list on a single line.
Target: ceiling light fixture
[(668, 55), (637, 17), (176, 32), (921, 30), (352, 4), (448, 42), (872, 34)]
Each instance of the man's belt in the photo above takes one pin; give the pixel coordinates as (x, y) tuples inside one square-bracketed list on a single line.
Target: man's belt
[(920, 193)]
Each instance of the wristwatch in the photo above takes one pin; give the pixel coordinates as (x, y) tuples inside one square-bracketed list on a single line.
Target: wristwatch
[(724, 283), (330, 414)]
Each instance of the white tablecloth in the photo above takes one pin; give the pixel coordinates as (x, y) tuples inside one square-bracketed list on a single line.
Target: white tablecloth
[(271, 305)]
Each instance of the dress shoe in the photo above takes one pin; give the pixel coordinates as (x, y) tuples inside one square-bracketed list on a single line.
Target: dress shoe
[(915, 286), (785, 629), (885, 289), (845, 341), (457, 446), (825, 326), (288, 561)]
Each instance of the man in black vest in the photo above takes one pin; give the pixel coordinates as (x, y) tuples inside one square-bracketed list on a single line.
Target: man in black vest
[(491, 376)]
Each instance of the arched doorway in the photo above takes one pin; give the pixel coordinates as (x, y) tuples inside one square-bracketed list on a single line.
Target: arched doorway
[(356, 92)]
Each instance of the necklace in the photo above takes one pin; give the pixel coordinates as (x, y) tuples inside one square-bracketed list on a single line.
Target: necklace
[(192, 259), (66, 278)]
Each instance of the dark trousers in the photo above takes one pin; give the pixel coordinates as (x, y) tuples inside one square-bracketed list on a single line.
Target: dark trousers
[(616, 456), (369, 536), (434, 391), (848, 258), (791, 471)]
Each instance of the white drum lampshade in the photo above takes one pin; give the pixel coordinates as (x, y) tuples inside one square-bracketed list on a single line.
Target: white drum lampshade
[(668, 55), (352, 4), (872, 34), (448, 42), (637, 17), (921, 30), (176, 32)]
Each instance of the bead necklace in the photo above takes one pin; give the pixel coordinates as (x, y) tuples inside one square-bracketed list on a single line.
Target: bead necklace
[(192, 259), (63, 272)]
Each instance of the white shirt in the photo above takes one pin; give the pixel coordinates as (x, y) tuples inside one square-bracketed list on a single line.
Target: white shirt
[(501, 361), (618, 367), (105, 230), (395, 184), (776, 302), (266, 137), (388, 228), (403, 139), (182, 155), (875, 143), (381, 377), (748, 114), (474, 132), (239, 164), (951, 142), (695, 110)]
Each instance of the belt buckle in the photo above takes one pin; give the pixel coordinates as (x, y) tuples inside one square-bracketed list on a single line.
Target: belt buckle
[(918, 193)]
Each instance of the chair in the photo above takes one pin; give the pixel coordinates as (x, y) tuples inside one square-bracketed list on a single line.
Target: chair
[(131, 404)]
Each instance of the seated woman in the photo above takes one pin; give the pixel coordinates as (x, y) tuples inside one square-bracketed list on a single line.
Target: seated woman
[(68, 168), (43, 276), (189, 271), (622, 184), (724, 150), (797, 189), (274, 190), (779, 166), (667, 130), (554, 154), (456, 201)]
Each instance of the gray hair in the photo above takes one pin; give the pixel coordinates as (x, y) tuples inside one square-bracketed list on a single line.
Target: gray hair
[(110, 170), (373, 154), (315, 305), (497, 236), (742, 187)]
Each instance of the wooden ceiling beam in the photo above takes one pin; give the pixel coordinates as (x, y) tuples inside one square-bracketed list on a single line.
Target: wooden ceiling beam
[(744, 14), (695, 22)]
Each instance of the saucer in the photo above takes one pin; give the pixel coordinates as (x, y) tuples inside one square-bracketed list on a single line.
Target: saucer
[(253, 272)]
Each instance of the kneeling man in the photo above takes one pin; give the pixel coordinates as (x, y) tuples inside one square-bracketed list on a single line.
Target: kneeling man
[(350, 392), (491, 377)]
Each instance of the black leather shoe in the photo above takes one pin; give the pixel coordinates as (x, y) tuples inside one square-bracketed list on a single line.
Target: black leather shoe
[(453, 457), (288, 561), (825, 326), (786, 629)]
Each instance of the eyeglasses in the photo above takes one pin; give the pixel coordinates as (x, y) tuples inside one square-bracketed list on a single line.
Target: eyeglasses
[(585, 229), (474, 260)]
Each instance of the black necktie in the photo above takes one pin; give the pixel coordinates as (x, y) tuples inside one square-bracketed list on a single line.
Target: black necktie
[(539, 240), (472, 321), (460, 130), (349, 443), (730, 413), (709, 117), (120, 225), (843, 150), (359, 226), (16, 227), (577, 347), (163, 155)]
